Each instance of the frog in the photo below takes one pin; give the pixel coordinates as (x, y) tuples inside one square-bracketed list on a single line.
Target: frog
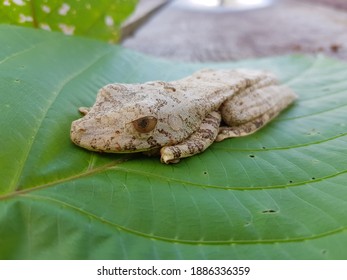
[(180, 118)]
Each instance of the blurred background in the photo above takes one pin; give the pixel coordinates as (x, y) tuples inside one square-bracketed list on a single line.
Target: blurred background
[(217, 30)]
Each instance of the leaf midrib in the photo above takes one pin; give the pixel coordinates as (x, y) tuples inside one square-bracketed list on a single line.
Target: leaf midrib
[(116, 165)]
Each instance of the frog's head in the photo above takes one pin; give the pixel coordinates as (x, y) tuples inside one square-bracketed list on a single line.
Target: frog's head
[(123, 119), (114, 133)]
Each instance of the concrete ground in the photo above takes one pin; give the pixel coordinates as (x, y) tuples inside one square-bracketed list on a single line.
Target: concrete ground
[(163, 29)]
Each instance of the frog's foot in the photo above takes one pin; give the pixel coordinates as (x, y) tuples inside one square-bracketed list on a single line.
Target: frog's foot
[(195, 143)]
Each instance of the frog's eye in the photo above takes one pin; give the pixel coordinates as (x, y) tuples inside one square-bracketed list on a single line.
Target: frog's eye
[(145, 124)]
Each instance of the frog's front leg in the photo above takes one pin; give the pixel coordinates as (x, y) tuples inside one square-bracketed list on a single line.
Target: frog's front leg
[(195, 143), (252, 109)]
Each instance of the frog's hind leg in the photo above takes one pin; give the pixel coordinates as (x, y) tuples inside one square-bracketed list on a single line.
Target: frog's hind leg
[(252, 109), (245, 128), (195, 143)]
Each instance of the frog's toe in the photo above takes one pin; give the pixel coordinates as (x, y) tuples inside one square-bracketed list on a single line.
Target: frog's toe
[(84, 110), (170, 154)]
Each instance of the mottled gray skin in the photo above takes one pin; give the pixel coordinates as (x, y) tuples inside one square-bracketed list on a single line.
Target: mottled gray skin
[(181, 118)]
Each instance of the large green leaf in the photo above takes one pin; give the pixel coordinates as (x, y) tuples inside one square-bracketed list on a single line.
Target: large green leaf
[(280, 193), (98, 19)]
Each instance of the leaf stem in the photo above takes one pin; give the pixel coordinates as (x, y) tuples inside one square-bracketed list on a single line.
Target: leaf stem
[(32, 5)]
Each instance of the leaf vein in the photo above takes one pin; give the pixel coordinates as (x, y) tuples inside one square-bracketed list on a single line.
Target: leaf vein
[(195, 242), (26, 154)]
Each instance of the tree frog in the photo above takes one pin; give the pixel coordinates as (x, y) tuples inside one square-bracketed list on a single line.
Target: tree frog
[(180, 118)]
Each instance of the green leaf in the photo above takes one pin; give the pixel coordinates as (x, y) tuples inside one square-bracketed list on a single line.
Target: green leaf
[(278, 194), (97, 19)]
